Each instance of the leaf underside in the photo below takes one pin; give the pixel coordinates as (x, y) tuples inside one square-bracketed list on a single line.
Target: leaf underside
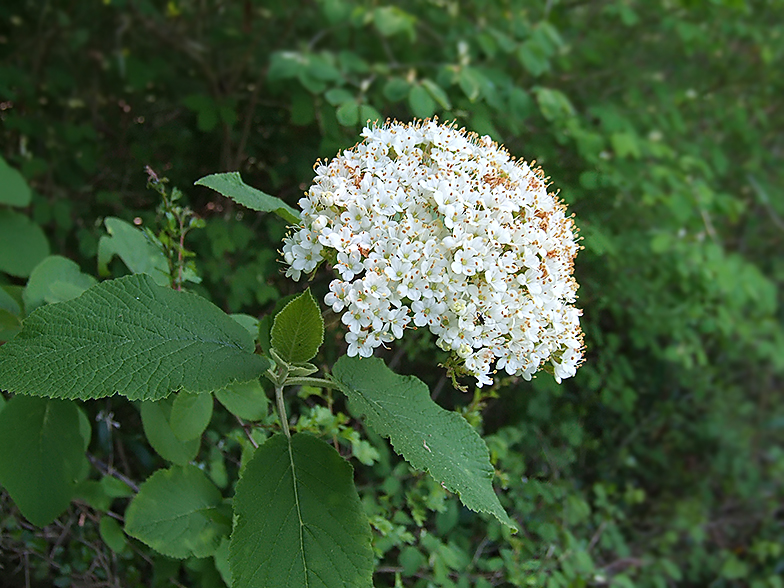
[(430, 438)]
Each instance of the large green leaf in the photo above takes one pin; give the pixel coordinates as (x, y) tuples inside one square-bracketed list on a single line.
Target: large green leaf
[(298, 329), (14, 190), (22, 244), (231, 185), (128, 336), (156, 421), (137, 251), (298, 520), (178, 512), (42, 456), (430, 438), (55, 279)]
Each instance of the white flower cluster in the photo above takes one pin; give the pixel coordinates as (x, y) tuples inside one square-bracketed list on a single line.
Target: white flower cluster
[(428, 226)]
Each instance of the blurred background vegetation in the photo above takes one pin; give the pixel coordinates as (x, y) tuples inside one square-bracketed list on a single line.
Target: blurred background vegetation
[(661, 123)]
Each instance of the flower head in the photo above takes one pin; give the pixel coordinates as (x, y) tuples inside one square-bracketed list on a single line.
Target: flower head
[(429, 226)]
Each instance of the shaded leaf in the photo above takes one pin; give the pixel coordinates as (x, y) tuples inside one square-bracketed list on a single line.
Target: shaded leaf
[(133, 246), (247, 400), (55, 279), (112, 534), (231, 185), (22, 244), (14, 190), (42, 455), (250, 323), (178, 512), (157, 428), (190, 415)]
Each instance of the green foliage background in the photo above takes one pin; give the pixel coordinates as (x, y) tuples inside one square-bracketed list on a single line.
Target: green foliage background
[(662, 125)]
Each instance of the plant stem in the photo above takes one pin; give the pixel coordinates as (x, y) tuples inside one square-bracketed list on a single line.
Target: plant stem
[(284, 420)]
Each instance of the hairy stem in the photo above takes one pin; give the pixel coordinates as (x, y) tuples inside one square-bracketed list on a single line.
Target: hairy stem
[(284, 420)]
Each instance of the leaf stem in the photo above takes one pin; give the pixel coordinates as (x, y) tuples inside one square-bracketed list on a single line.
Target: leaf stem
[(306, 381), (284, 420)]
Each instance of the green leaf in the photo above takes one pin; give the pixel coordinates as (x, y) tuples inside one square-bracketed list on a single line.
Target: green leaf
[(298, 329), (285, 65), (14, 190), (430, 438), (533, 58), (411, 559), (521, 104), (299, 521), (91, 492), (369, 115), (221, 557), (84, 429), (11, 305), (249, 323), (178, 512), (206, 110), (22, 244), (337, 96), (554, 104), (231, 185), (128, 336), (114, 488), (11, 299), (391, 20), (396, 89), (471, 81), (438, 94), (156, 421), (734, 568), (55, 279), (10, 325), (348, 113), (190, 415), (625, 145), (247, 400), (112, 534), (421, 102), (302, 111), (134, 247), (42, 455)]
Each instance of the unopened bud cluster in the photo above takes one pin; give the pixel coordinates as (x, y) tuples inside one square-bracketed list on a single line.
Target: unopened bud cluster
[(428, 226)]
